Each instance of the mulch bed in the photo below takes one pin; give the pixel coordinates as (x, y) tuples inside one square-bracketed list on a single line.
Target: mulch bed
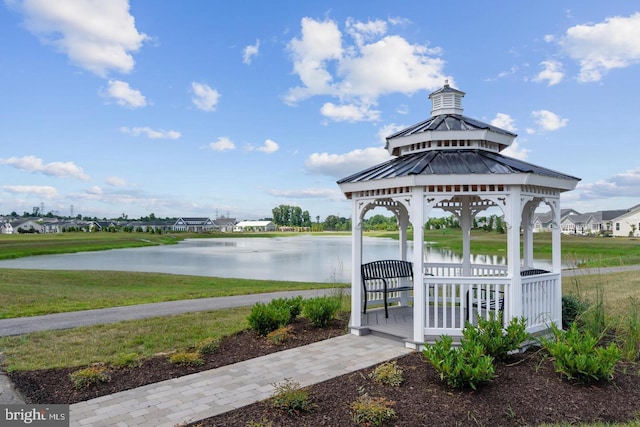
[(526, 390)]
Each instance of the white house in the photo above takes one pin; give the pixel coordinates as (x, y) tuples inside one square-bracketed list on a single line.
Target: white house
[(6, 228), (254, 226), (627, 224), (193, 224)]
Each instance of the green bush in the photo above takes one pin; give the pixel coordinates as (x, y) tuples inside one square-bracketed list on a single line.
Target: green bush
[(89, 376), (186, 358), (387, 373), (321, 310), (207, 345), (290, 397), (369, 411), (265, 318), (280, 335), (578, 356), (572, 309), (497, 341), (293, 304), (463, 366)]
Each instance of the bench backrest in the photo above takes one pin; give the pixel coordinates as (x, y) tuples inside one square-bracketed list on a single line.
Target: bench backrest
[(386, 269)]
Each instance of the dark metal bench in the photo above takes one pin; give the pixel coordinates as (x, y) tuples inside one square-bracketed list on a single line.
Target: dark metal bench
[(385, 270)]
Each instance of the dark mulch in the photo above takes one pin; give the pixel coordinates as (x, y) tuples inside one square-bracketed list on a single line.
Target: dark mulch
[(526, 390), (54, 386)]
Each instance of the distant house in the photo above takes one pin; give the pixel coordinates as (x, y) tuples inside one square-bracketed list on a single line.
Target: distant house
[(254, 226), (224, 225), (542, 221), (620, 222), (28, 226), (6, 228), (627, 224), (194, 225)]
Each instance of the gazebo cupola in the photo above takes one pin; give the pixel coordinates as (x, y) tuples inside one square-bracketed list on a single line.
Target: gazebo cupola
[(454, 163)]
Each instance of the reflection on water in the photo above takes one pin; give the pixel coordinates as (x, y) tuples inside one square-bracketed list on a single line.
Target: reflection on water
[(298, 258)]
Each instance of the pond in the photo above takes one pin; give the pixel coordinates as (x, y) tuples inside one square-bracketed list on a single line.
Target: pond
[(302, 258)]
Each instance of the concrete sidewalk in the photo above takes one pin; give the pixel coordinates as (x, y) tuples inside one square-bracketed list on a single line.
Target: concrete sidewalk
[(205, 394)]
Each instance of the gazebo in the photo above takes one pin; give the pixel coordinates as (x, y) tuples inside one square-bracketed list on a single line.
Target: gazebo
[(452, 162)]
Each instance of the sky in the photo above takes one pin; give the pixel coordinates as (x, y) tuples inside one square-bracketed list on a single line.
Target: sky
[(231, 108)]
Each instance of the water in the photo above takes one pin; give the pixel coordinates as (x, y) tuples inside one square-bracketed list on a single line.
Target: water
[(302, 258)]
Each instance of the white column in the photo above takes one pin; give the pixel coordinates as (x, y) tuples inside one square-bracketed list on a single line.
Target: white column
[(513, 215), (556, 261), (403, 223), (419, 296), (356, 274), (465, 225), (527, 246)]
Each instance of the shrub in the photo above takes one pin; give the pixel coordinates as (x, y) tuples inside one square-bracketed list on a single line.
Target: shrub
[(265, 318), (497, 341), (577, 355), (459, 367), (572, 309), (387, 373), (89, 376), (321, 310), (280, 335), (290, 397), (293, 304), (367, 410), (126, 360), (186, 358), (207, 345)]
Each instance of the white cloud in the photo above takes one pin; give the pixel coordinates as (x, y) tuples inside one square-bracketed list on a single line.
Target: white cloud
[(43, 191), (357, 73), (552, 73), (504, 121), (268, 147), (124, 95), (98, 36), (349, 112), (57, 169), (388, 130), (598, 48), (342, 165), (222, 144), (204, 97), (151, 133), (250, 51), (549, 121), (310, 193), (516, 151), (625, 184), (116, 181)]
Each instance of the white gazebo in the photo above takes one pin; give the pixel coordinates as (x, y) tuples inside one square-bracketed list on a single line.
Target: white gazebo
[(452, 162)]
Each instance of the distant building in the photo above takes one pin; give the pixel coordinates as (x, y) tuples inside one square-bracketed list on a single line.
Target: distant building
[(194, 225), (619, 222), (254, 226), (224, 225)]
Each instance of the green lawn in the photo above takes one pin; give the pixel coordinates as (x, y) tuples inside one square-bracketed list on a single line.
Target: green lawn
[(38, 292)]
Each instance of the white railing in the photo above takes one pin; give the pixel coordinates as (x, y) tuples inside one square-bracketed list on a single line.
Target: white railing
[(539, 304), (452, 301), (456, 270)]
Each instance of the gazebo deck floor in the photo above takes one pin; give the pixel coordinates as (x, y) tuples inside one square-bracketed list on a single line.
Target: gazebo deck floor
[(399, 324)]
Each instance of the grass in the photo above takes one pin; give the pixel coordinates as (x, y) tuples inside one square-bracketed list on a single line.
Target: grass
[(107, 343), (21, 245), (614, 289), (38, 292), (583, 251)]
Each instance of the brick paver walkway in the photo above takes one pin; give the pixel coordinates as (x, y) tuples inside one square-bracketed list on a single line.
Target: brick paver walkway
[(197, 396)]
